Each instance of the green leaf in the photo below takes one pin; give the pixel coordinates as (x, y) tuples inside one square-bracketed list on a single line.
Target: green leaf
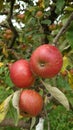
[(1, 4), (68, 8), (70, 97), (8, 81), (4, 93), (60, 119), (12, 113), (48, 22), (62, 83), (59, 5), (69, 35), (11, 128), (1, 70)]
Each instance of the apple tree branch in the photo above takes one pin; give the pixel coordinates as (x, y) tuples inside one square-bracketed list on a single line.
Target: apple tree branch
[(10, 122), (13, 29), (63, 29)]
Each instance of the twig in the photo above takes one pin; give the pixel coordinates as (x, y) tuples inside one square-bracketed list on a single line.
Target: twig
[(63, 29), (4, 26), (13, 52), (4, 13), (15, 33), (10, 122)]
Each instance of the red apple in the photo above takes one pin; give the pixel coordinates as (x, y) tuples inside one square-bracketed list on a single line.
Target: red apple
[(21, 74), (31, 102), (46, 61)]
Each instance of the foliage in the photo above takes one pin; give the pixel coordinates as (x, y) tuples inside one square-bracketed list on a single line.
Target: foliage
[(58, 118), (27, 25)]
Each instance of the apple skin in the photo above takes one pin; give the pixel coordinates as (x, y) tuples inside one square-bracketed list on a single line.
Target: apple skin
[(46, 61), (20, 74), (30, 102)]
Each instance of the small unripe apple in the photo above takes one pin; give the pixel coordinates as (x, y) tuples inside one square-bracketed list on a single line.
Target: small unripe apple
[(30, 102), (8, 31), (39, 14), (64, 73), (46, 61), (71, 71), (21, 74), (52, 27), (21, 16), (8, 34)]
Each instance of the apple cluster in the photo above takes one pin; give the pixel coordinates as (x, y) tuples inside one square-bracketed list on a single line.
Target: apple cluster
[(46, 62)]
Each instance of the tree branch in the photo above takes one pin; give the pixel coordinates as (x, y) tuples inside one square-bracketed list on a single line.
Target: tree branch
[(45, 28), (10, 122), (15, 33), (63, 29)]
